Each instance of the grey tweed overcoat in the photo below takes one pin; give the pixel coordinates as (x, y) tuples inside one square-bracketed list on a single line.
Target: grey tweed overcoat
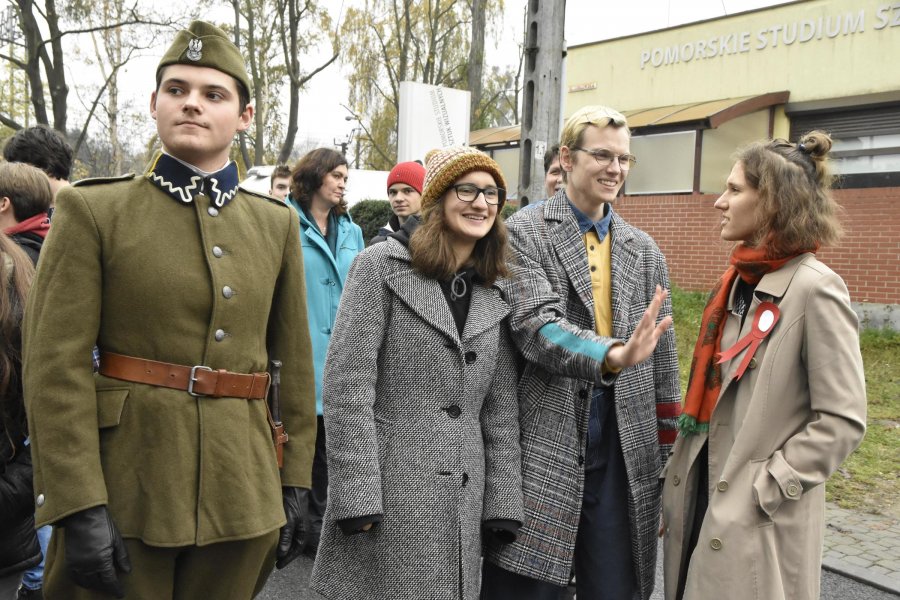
[(422, 428), (552, 324)]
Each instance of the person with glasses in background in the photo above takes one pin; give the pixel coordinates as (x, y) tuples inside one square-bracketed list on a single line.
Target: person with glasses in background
[(421, 416), (598, 417)]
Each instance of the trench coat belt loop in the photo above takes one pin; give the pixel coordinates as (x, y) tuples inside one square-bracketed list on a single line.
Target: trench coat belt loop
[(198, 380)]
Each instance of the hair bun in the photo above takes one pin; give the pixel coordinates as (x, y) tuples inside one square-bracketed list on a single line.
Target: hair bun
[(815, 143)]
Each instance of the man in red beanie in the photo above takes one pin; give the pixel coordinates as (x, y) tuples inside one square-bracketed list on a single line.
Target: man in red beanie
[(404, 187)]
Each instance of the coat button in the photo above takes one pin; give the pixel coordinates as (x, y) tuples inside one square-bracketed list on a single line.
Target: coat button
[(213, 211), (752, 363), (676, 480), (793, 489), (39, 501), (454, 411), (220, 335), (465, 479), (217, 252), (227, 291), (470, 357), (715, 544), (582, 394), (722, 486), (580, 459)]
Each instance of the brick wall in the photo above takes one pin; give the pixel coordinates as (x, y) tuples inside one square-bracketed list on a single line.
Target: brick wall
[(686, 227)]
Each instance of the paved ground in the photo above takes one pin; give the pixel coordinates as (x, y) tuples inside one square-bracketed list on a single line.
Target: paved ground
[(864, 547), (857, 562)]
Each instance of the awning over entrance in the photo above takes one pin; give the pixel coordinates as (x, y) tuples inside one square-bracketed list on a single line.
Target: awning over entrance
[(495, 136), (702, 115), (696, 115)]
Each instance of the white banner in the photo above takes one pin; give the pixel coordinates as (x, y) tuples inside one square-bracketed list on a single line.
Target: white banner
[(430, 117)]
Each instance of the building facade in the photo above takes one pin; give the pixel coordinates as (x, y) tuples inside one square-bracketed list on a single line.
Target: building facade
[(695, 93)]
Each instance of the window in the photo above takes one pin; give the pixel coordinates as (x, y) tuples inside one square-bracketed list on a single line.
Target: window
[(866, 149)]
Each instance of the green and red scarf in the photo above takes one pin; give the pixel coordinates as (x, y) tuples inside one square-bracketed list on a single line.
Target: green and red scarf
[(705, 381)]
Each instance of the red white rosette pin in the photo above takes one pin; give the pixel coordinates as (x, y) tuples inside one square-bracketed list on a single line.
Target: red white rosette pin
[(766, 316)]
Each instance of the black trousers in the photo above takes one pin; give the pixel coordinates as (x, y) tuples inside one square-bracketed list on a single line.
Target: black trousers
[(603, 564), (318, 496)]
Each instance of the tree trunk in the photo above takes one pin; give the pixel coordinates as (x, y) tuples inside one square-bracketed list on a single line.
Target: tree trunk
[(475, 71), (242, 136)]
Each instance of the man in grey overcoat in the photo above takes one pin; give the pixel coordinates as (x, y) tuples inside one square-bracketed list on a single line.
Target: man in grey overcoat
[(593, 434)]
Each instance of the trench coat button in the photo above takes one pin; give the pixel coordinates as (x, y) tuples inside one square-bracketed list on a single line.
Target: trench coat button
[(465, 479), (793, 489), (470, 357), (722, 486), (715, 544), (676, 480), (582, 394), (213, 211), (752, 363), (580, 459), (39, 501), (217, 252), (227, 291), (220, 335), (454, 411)]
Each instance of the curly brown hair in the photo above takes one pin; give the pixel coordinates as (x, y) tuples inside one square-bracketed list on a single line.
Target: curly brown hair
[(16, 274), (309, 173), (796, 208)]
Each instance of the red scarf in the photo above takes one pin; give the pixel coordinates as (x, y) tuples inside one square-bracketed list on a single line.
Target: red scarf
[(703, 390), (39, 224)]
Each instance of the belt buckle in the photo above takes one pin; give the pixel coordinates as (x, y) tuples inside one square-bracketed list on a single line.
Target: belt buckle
[(193, 380)]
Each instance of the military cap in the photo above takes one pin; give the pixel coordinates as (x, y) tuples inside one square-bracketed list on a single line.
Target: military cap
[(205, 45)]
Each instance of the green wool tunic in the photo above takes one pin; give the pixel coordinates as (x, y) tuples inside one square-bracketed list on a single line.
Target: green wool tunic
[(138, 272)]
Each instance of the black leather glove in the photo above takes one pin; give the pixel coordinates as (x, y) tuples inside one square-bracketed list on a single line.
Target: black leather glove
[(95, 551), (295, 532)]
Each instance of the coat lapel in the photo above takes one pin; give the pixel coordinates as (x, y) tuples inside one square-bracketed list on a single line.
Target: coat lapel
[(311, 233), (486, 310), (562, 227), (624, 273), (772, 288), (423, 296)]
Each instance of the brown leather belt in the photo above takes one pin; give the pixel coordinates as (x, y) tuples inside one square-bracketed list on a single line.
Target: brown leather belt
[(196, 381)]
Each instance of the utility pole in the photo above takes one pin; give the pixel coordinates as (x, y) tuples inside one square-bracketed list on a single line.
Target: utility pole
[(542, 100)]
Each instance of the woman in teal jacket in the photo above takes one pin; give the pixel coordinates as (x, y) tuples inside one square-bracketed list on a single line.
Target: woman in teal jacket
[(330, 241)]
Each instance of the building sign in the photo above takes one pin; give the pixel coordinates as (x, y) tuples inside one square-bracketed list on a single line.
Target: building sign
[(583, 87), (430, 117), (781, 34)]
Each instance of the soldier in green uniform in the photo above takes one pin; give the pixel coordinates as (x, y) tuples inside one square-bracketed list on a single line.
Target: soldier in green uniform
[(159, 472)]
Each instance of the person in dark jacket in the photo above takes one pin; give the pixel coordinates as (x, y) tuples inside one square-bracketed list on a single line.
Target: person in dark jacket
[(404, 188), (25, 197), (19, 549)]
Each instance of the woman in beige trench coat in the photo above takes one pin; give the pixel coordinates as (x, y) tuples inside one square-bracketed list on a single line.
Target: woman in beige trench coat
[(776, 399)]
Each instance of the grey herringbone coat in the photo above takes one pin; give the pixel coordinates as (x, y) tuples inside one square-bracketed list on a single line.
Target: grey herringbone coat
[(552, 324), (421, 427)]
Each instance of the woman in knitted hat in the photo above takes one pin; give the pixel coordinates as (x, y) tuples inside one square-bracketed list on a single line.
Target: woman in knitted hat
[(421, 413), (776, 399)]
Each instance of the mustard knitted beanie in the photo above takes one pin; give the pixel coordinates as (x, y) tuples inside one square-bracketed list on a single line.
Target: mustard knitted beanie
[(446, 165)]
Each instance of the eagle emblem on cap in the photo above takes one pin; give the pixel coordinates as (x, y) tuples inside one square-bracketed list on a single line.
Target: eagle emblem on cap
[(195, 48)]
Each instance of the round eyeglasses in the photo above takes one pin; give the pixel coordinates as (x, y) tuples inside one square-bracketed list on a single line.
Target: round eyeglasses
[(467, 192), (604, 158)]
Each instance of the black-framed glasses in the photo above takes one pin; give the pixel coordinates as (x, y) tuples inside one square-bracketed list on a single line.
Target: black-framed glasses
[(467, 192), (604, 158)]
